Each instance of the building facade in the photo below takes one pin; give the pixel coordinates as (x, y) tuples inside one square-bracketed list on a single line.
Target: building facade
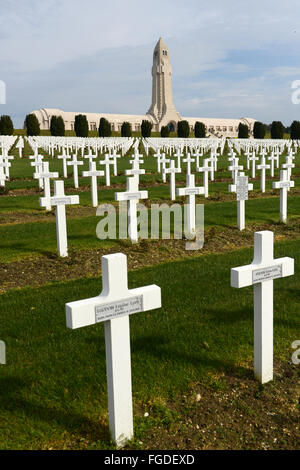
[(162, 111)]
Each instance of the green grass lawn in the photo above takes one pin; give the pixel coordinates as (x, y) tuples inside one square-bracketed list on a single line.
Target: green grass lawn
[(54, 387)]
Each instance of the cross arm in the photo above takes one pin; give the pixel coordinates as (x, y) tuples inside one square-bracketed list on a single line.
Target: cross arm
[(84, 312), (257, 272), (126, 196)]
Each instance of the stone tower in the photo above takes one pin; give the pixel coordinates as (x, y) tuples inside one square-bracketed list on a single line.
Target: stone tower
[(162, 109)]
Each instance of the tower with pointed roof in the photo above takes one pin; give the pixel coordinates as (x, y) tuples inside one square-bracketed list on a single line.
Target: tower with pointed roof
[(162, 109)]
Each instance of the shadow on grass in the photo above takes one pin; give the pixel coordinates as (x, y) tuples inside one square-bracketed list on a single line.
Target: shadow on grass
[(75, 423), (202, 359)]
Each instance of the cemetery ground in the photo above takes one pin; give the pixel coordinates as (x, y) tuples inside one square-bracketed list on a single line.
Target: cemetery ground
[(192, 360)]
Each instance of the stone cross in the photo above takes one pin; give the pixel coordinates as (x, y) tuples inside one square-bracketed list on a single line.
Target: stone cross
[(263, 167), (191, 191), (172, 170), (93, 173), (60, 200), (261, 273), (284, 185), (132, 196), (75, 164), (46, 176), (113, 307), (241, 189)]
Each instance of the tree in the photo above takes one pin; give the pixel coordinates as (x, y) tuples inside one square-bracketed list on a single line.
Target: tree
[(183, 129), (200, 130), (104, 128), (295, 130), (165, 131), (277, 130), (32, 125), (243, 131), (53, 125), (126, 129), (259, 130), (81, 126), (146, 128), (6, 126)]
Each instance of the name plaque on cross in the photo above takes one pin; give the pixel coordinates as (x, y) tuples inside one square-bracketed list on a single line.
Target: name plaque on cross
[(267, 274), (192, 191), (61, 200), (134, 196), (118, 309), (242, 188)]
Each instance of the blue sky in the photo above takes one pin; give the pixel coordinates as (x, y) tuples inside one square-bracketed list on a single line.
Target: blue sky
[(230, 58)]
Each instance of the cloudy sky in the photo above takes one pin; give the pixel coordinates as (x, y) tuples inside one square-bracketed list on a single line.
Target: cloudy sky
[(232, 58)]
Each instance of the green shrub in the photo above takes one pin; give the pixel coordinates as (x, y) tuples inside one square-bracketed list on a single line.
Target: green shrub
[(183, 129), (32, 125), (81, 126)]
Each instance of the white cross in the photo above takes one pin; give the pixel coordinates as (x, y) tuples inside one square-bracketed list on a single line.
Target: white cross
[(253, 160), (75, 163), (272, 158), (132, 196), (260, 274), (20, 146), (46, 176), (172, 170), (241, 189), (235, 168), (205, 169), (263, 167), (284, 185), (163, 160), (38, 163), (2, 352), (197, 154), (178, 155), (115, 157), (4, 166), (93, 173), (191, 191), (64, 158), (60, 200), (113, 307), (107, 162), (188, 160), (135, 170), (289, 165)]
